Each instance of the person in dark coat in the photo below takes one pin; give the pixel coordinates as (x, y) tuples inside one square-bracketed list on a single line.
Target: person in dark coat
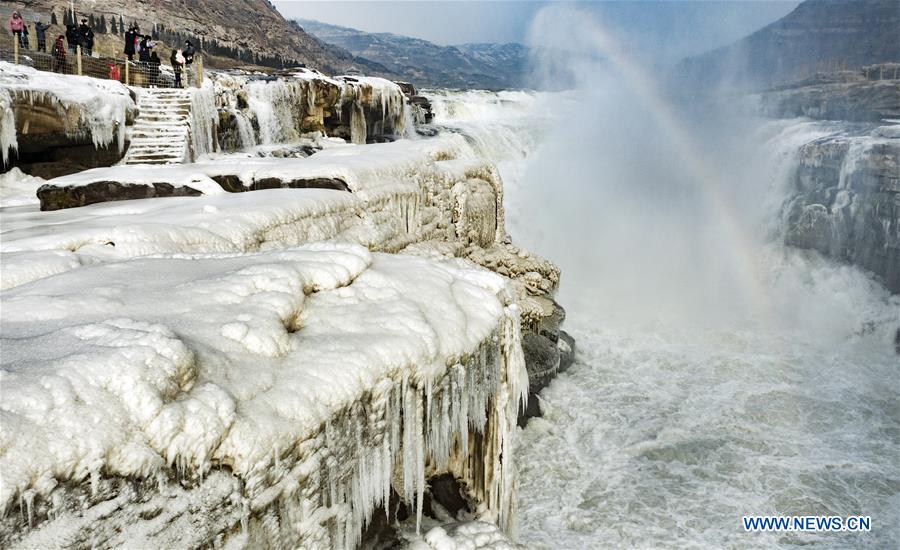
[(188, 52), (176, 60), (25, 43), (40, 30), (86, 37), (130, 39), (144, 48), (154, 69), (72, 38), (59, 55)]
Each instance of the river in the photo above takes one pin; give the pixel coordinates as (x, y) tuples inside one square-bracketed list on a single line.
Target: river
[(719, 374)]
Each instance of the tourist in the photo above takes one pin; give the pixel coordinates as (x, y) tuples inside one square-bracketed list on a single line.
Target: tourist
[(130, 42), (154, 69), (24, 42), (188, 52), (59, 55), (177, 60), (86, 37), (144, 48), (40, 30), (16, 25), (72, 38), (114, 73)]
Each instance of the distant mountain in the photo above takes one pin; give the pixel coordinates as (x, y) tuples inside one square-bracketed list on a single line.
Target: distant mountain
[(489, 66), (230, 32), (818, 36)]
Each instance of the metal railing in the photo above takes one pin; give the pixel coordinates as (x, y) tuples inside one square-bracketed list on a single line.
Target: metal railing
[(76, 62)]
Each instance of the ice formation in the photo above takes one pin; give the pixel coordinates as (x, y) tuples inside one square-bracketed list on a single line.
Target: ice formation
[(179, 298), (476, 535), (267, 111), (318, 376), (404, 194), (86, 106)]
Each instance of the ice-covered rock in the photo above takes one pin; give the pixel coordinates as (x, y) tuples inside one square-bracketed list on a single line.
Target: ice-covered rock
[(287, 393), (264, 111), (41, 110), (852, 98), (845, 201)]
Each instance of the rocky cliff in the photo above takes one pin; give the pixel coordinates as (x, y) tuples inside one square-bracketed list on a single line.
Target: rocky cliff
[(487, 66), (818, 35), (866, 95), (232, 32), (847, 200)]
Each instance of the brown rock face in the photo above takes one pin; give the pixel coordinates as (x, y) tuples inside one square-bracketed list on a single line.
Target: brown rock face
[(253, 29), (57, 198), (54, 197)]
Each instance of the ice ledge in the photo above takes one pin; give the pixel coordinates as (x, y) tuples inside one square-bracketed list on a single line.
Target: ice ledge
[(323, 378)]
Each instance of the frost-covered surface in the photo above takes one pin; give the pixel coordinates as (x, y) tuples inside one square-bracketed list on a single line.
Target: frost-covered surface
[(17, 188), (421, 193), (192, 365), (83, 104), (476, 535), (267, 111)]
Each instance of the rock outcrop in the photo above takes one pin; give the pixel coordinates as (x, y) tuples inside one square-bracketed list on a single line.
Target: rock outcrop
[(52, 125), (847, 201), (851, 95)]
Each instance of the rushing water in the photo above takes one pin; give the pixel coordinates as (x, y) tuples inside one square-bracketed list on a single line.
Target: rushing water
[(697, 397)]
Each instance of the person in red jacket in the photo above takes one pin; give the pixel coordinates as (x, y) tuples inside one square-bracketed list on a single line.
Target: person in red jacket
[(16, 26), (59, 54)]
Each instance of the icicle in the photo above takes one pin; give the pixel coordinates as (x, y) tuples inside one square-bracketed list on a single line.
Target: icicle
[(8, 139), (203, 120), (358, 124), (419, 459)]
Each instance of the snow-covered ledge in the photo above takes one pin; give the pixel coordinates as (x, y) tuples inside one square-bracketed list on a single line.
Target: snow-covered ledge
[(273, 398)]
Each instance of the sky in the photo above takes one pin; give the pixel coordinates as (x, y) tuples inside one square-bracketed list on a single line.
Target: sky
[(692, 26)]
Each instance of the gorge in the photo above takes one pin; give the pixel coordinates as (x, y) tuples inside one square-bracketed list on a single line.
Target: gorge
[(341, 319)]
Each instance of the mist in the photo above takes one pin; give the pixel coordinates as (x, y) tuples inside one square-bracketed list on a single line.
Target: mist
[(664, 205)]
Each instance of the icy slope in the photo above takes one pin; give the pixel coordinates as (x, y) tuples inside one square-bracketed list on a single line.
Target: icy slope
[(290, 369)]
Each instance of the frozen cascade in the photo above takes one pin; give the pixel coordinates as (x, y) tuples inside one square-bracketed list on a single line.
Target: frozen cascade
[(358, 130), (7, 126), (204, 114), (245, 129), (273, 104)]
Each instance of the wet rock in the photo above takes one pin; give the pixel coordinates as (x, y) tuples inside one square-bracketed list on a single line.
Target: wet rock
[(56, 198), (542, 360), (550, 324), (566, 346), (234, 184)]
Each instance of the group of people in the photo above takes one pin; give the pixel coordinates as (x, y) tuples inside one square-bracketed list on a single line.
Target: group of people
[(136, 44), (82, 35), (143, 46), (19, 28)]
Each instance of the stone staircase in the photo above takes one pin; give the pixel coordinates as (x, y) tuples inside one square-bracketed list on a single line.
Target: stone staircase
[(162, 130)]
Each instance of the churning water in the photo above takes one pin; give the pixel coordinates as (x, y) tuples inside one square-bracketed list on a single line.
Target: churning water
[(698, 396)]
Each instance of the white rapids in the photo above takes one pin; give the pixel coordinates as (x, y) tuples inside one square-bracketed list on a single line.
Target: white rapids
[(672, 426)]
